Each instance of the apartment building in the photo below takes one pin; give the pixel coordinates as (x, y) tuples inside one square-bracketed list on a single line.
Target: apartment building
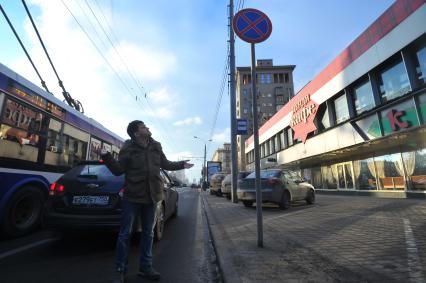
[(274, 89)]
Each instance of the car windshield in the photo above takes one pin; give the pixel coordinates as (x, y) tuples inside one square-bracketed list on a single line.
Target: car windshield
[(265, 174), (90, 170)]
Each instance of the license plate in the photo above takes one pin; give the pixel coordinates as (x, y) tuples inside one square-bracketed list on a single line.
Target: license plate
[(96, 200)]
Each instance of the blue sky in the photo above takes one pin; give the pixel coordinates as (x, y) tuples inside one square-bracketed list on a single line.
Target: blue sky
[(176, 53)]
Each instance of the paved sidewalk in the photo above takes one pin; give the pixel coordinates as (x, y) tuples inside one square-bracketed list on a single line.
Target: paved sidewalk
[(339, 239)]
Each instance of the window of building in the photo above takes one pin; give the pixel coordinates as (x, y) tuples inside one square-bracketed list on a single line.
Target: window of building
[(316, 177), (277, 143), (363, 97), (390, 172), (282, 140), (329, 174), (421, 65), (289, 133), (286, 78), (415, 166), (365, 175), (394, 82), (279, 78), (269, 95), (370, 126), (265, 78), (341, 108), (246, 79), (399, 117), (267, 148), (422, 102), (322, 117), (245, 92), (269, 104), (245, 111), (278, 107)]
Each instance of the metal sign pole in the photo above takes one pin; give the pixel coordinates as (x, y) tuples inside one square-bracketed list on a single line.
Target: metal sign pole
[(234, 155), (256, 150)]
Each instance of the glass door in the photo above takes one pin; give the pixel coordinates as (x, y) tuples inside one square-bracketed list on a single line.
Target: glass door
[(345, 176)]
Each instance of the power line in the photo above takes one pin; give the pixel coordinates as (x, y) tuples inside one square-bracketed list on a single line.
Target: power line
[(43, 83), (73, 103)]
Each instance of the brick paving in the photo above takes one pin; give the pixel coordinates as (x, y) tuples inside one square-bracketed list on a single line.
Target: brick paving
[(338, 239)]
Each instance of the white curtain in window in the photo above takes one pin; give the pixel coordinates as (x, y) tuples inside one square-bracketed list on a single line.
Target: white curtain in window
[(409, 161)]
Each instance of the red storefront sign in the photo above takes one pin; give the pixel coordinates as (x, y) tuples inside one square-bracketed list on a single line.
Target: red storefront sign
[(302, 119)]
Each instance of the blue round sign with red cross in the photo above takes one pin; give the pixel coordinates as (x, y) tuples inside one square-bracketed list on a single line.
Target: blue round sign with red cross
[(252, 25)]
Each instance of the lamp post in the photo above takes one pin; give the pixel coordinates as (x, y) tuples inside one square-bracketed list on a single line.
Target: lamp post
[(204, 170)]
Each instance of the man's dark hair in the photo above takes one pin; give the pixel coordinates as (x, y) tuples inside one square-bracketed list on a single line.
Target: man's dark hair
[(133, 127)]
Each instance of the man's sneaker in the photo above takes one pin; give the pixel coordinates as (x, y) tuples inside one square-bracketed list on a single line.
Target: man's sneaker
[(149, 273), (119, 276)]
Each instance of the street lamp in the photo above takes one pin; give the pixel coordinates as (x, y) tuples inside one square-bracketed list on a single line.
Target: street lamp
[(204, 162)]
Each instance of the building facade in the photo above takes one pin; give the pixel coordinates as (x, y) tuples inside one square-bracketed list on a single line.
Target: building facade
[(360, 124), (223, 155), (274, 89)]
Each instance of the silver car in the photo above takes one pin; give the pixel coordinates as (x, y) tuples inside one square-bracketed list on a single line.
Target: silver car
[(278, 186), (226, 183)]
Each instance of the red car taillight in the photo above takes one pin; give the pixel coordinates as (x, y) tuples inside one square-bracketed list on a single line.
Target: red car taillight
[(56, 189), (273, 181)]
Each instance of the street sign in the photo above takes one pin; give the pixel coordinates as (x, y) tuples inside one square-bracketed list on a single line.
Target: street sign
[(242, 127), (252, 25)]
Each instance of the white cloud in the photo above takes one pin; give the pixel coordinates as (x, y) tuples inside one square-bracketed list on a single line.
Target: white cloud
[(189, 121), (223, 137), (145, 63)]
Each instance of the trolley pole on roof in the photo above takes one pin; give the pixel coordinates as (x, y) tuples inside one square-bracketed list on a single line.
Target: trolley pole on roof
[(234, 155), (253, 26)]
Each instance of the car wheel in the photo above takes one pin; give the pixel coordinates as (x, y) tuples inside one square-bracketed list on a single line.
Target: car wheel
[(247, 203), (285, 200), (24, 212), (159, 224), (228, 196), (219, 193), (310, 199)]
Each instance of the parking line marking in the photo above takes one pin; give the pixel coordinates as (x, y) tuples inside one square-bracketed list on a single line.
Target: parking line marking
[(26, 247), (414, 266)]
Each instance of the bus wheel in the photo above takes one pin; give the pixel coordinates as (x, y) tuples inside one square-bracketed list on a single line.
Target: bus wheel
[(23, 212)]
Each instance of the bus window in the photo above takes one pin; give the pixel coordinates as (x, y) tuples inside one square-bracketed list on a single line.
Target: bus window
[(55, 144), (20, 131), (75, 145), (95, 144)]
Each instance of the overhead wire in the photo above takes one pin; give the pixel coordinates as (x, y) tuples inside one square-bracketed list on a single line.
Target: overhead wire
[(129, 91), (72, 102), (43, 83), (133, 77)]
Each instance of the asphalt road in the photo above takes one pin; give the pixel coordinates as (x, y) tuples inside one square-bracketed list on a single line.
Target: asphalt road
[(183, 255)]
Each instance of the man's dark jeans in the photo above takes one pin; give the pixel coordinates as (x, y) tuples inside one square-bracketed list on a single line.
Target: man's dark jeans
[(131, 210)]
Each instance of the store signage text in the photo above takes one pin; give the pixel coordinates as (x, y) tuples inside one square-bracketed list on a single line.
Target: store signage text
[(394, 120), (302, 121)]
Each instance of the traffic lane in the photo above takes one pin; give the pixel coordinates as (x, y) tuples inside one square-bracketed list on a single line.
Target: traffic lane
[(89, 256)]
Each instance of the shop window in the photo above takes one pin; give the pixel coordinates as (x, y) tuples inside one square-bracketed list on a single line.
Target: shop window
[(394, 82), (422, 104), (370, 126), (421, 65), (341, 109), (329, 174), (363, 97), (390, 172), (399, 117), (415, 166), (316, 177), (20, 131), (365, 176)]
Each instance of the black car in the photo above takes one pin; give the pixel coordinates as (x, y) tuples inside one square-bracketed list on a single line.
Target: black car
[(89, 197)]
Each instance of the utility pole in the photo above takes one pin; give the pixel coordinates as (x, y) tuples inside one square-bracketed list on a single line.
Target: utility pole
[(204, 170), (234, 155)]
